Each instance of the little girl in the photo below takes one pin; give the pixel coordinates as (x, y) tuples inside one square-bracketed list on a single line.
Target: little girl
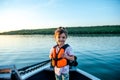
[(60, 54)]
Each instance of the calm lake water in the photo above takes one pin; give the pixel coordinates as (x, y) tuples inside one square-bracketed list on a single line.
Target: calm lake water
[(99, 56)]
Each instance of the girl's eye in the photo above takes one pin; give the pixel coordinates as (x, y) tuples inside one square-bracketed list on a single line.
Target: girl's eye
[(63, 37)]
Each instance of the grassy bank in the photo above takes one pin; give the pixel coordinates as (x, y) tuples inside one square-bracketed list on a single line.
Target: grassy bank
[(111, 29)]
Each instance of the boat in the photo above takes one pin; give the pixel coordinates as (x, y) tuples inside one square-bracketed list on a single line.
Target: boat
[(40, 71)]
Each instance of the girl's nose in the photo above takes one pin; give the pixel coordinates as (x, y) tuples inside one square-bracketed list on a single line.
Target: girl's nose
[(61, 38)]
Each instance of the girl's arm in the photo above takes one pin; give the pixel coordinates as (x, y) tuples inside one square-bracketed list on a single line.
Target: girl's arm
[(69, 54), (50, 56), (69, 57)]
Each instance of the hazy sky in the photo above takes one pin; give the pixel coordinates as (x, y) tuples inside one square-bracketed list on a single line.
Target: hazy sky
[(34, 14)]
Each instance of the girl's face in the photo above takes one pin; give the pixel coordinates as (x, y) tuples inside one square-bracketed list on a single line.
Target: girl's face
[(60, 39)]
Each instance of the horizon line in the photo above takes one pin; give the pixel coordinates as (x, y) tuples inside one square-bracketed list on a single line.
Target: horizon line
[(56, 27)]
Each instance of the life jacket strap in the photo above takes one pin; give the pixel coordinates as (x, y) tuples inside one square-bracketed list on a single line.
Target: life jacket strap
[(56, 59)]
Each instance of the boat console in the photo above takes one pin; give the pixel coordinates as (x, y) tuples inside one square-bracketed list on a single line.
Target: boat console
[(9, 72)]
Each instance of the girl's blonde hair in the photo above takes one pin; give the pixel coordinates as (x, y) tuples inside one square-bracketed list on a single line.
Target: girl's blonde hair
[(60, 30)]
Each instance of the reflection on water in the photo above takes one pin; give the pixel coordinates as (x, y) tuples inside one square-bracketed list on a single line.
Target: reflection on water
[(96, 55)]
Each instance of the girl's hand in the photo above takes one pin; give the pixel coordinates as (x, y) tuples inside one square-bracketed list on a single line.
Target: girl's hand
[(65, 56), (68, 57)]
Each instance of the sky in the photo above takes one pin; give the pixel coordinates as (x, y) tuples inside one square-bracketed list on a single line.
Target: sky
[(36, 14)]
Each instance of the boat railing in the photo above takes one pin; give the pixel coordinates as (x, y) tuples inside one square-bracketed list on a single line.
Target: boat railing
[(30, 68)]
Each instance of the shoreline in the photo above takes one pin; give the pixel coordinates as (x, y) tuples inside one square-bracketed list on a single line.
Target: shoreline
[(95, 30), (80, 35)]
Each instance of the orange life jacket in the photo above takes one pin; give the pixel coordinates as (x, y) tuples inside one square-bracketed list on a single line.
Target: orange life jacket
[(57, 59)]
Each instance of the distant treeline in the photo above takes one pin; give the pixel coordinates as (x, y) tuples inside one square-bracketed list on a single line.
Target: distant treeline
[(110, 29)]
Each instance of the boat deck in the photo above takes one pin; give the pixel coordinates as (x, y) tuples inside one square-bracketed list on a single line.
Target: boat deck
[(47, 74)]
